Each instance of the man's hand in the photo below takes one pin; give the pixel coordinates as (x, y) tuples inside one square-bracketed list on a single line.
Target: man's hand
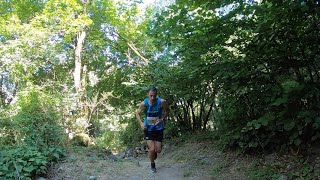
[(142, 125), (141, 109), (158, 121)]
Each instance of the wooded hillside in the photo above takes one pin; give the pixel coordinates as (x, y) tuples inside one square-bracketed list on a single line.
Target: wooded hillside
[(246, 72)]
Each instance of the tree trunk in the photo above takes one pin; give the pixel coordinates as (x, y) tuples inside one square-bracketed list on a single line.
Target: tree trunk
[(78, 66), (205, 122), (80, 83)]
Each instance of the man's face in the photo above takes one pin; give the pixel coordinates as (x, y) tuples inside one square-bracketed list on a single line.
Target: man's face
[(152, 96)]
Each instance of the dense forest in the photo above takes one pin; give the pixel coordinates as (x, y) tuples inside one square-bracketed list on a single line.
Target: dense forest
[(244, 71)]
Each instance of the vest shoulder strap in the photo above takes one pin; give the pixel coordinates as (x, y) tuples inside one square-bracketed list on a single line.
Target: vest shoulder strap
[(147, 105)]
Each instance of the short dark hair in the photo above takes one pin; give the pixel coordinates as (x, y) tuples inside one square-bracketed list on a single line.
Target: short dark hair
[(153, 89)]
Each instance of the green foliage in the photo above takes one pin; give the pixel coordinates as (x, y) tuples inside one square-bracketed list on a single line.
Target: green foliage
[(24, 9), (275, 109), (301, 170), (37, 136), (132, 135), (22, 162), (268, 172), (256, 65), (110, 140), (25, 162), (37, 119), (7, 132), (249, 72), (171, 129), (201, 136), (39, 39), (305, 172)]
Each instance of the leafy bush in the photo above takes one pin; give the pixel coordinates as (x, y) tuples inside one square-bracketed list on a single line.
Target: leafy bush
[(269, 172), (38, 136), (25, 162), (269, 99), (22, 162), (132, 135), (171, 130), (110, 140), (37, 120), (7, 133)]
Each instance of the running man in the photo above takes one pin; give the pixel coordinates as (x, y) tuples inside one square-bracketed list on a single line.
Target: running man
[(155, 111)]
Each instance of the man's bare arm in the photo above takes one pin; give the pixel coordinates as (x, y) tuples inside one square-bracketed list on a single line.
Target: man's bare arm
[(165, 112), (165, 107), (138, 114)]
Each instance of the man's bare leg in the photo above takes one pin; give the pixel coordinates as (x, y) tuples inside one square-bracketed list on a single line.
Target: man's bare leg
[(154, 148), (152, 154), (157, 146)]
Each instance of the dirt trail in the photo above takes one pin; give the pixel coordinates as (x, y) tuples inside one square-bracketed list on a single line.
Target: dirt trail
[(188, 161), (80, 167)]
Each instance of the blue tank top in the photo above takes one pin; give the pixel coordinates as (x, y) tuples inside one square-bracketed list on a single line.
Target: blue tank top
[(152, 111)]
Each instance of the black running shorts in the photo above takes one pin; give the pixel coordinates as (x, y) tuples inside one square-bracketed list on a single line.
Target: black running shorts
[(156, 135)]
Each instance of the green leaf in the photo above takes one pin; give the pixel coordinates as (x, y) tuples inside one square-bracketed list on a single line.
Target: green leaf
[(56, 155), (257, 125), (19, 168), (266, 118), (28, 169), (253, 144), (316, 124), (289, 126), (294, 136), (280, 101), (38, 161), (5, 168), (291, 85), (20, 160), (297, 141)]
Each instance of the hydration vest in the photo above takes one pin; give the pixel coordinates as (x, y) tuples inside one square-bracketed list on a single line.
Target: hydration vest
[(153, 112)]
